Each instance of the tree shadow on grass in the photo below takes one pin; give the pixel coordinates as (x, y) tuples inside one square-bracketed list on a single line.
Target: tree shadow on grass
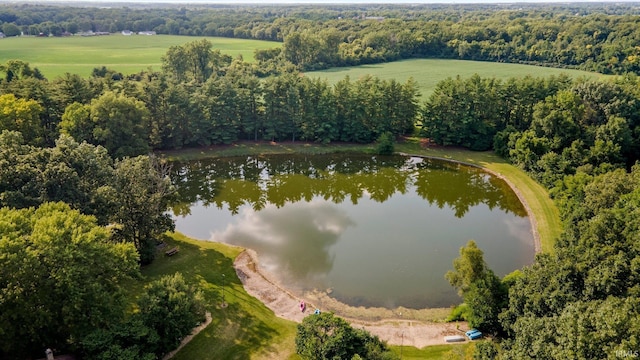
[(244, 327)]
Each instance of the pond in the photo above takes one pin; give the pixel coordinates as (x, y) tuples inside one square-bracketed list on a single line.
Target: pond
[(369, 230)]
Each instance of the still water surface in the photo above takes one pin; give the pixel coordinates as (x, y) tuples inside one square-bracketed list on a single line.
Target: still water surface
[(374, 231)]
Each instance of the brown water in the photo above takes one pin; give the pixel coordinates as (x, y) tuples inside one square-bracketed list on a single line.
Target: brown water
[(374, 231)]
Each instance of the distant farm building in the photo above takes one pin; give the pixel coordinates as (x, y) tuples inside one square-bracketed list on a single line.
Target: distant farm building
[(127, 32), (91, 33), (146, 33)]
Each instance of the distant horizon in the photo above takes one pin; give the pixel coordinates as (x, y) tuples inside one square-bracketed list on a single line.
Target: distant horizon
[(325, 2)]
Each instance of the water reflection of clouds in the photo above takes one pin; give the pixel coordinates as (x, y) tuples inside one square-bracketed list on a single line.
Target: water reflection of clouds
[(293, 241), (520, 228)]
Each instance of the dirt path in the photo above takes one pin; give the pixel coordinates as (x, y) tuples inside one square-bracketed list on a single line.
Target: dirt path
[(394, 330), (188, 338)]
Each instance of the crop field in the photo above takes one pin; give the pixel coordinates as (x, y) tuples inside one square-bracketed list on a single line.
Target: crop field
[(55, 56), (428, 72)]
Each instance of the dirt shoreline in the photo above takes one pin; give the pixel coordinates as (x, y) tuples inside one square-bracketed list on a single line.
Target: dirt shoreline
[(396, 327)]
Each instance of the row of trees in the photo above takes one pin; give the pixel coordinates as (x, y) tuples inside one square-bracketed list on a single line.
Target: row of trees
[(200, 98), (594, 37), (549, 127), (216, 100)]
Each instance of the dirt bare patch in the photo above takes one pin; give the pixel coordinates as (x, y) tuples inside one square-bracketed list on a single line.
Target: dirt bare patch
[(397, 327)]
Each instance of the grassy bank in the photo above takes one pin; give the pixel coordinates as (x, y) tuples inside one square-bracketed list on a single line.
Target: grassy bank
[(55, 56), (432, 352), (245, 329)]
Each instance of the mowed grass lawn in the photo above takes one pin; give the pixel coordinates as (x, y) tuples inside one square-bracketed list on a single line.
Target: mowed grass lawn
[(246, 328), (428, 72), (55, 56)]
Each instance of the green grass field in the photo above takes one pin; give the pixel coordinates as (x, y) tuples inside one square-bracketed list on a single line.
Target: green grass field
[(55, 56), (428, 72)]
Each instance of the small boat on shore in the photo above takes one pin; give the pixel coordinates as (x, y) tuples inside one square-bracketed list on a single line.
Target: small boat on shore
[(302, 306)]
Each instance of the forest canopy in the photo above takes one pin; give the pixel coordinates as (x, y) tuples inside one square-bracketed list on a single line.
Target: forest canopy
[(78, 148), (599, 37)]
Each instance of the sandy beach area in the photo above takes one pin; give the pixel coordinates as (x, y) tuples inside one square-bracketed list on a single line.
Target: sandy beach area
[(396, 327)]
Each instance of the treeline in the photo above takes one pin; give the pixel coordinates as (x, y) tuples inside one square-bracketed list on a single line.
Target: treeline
[(580, 139), (201, 97), (595, 37), (550, 127)]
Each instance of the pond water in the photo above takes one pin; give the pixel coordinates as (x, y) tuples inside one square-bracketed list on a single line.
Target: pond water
[(370, 230)]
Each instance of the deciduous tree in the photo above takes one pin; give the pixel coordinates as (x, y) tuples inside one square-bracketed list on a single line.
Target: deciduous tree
[(60, 277)]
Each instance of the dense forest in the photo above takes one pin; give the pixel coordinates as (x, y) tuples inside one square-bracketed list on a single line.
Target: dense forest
[(595, 37), (76, 180)]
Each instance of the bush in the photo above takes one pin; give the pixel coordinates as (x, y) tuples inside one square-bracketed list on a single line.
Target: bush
[(459, 313), (386, 144)]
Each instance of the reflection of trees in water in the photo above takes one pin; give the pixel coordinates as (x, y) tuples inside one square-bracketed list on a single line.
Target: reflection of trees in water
[(296, 237), (278, 180), (462, 187)]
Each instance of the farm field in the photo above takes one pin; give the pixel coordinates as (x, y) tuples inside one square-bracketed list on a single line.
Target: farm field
[(428, 72), (55, 56)]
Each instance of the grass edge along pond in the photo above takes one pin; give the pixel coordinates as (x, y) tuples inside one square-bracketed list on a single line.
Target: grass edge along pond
[(247, 328)]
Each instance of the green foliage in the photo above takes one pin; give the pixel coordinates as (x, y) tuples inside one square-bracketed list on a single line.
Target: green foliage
[(10, 29), (468, 268), (21, 115), (464, 112), (171, 309), (558, 306), (168, 310), (485, 350), (130, 195), (194, 61), (120, 124), (60, 277), (142, 190), (19, 69), (325, 336), (385, 144), (483, 293), (459, 313), (76, 122)]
